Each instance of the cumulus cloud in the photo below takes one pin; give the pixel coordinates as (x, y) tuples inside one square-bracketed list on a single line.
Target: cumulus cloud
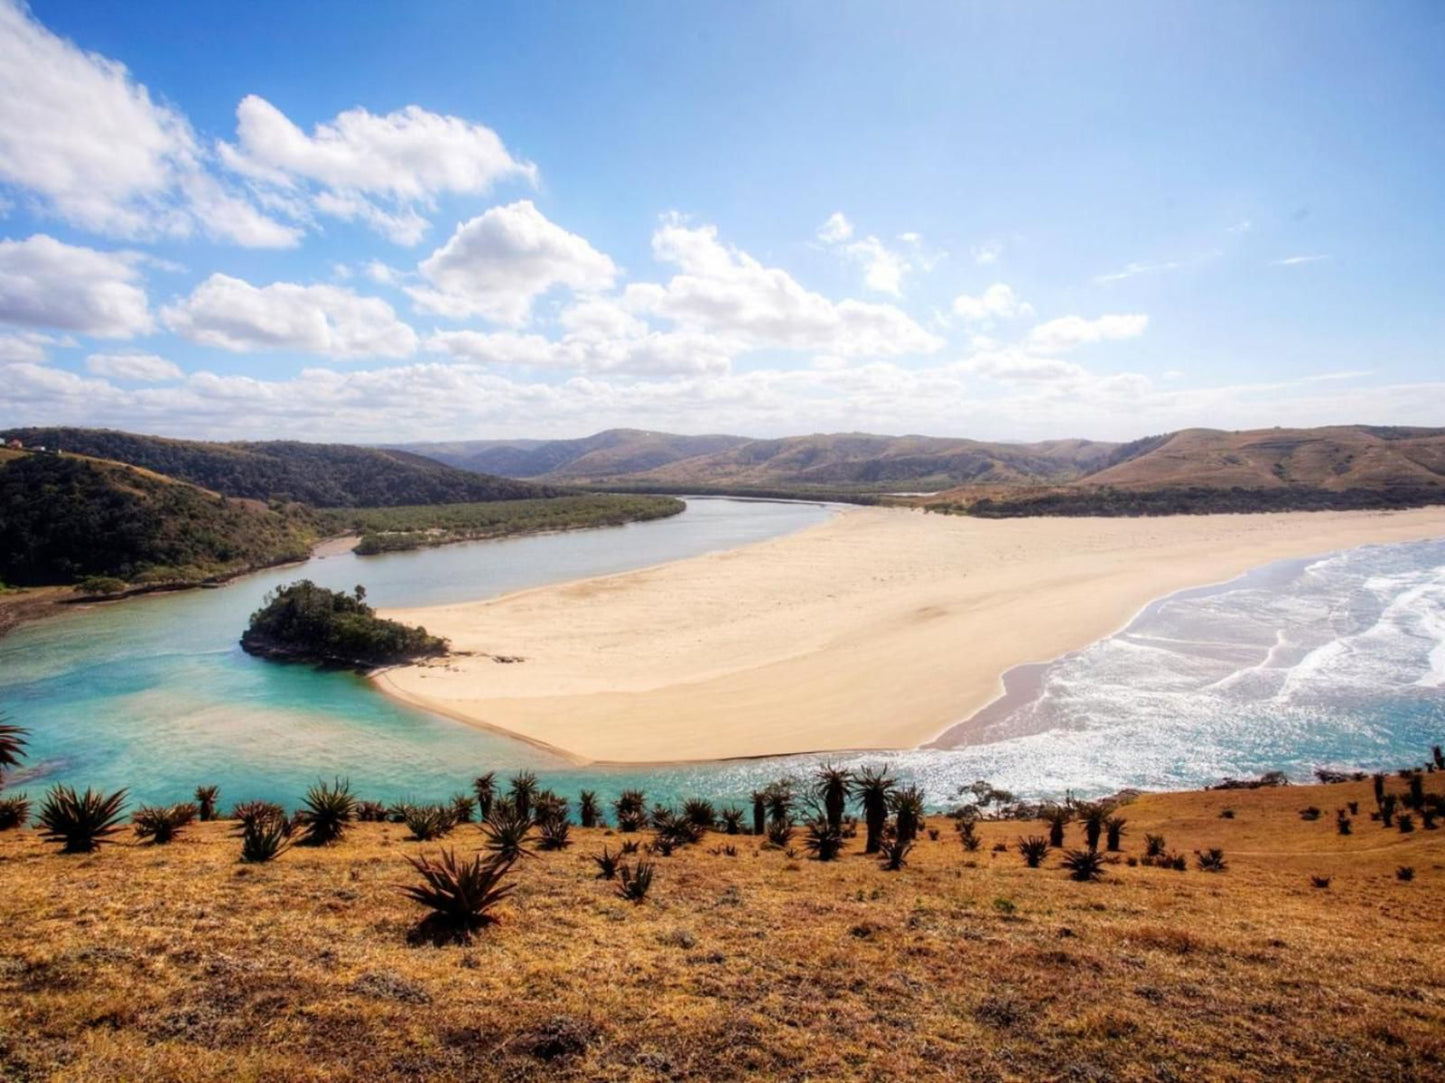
[(497, 264), (145, 367), (1015, 366), (722, 290), (1068, 332), (45, 283), (88, 143), (998, 302), (883, 268), (329, 321), (836, 229), (376, 169), (25, 347)]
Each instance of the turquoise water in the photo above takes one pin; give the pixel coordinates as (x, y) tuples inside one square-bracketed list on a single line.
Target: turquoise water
[(1335, 661)]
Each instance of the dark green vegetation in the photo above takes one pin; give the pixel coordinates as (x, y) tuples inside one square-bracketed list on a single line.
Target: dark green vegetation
[(68, 518), (387, 530), (1193, 500), (306, 623), (323, 475), (81, 823)]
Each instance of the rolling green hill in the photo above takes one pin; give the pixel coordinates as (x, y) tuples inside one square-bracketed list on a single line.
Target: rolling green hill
[(324, 475), (68, 517)]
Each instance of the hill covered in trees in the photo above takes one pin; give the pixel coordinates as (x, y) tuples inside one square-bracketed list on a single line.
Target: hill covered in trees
[(306, 623), (69, 517), (324, 475)]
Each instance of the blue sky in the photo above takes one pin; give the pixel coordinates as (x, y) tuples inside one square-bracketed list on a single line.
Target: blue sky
[(1002, 220)]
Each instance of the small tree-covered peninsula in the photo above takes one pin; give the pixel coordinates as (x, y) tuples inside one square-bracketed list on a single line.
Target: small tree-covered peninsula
[(303, 622)]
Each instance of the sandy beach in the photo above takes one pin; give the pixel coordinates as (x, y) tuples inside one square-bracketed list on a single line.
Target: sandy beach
[(876, 630)]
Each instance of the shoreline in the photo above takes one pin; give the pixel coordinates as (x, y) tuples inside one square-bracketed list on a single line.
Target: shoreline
[(880, 629)]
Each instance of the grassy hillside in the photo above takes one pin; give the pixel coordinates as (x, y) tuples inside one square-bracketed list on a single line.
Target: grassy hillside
[(177, 962), (324, 475), (844, 460), (70, 517)]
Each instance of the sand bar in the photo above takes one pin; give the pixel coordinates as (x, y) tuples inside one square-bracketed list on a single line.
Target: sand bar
[(876, 630)]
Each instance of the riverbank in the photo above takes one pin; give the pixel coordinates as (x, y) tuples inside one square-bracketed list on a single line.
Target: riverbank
[(880, 629)]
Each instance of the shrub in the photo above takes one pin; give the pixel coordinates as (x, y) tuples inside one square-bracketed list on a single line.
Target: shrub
[(874, 789), (1354, 807), (463, 806), (606, 864), (760, 811), (554, 832), (523, 788), (631, 811), (12, 745), (907, 812), (252, 812), (460, 894), (699, 813), (206, 797), (1113, 828), (485, 787), (1321, 882), (732, 818), (779, 799), (636, 881), (1226, 814), (81, 823), (1153, 845), (1211, 860), (1033, 850), (328, 812), (1387, 809), (371, 812), (264, 840), (1344, 825), (1439, 757), (1406, 823), (894, 853), (1415, 799), (629, 846), (587, 808), (1378, 779), (1405, 873), (100, 585), (1093, 818), (822, 839), (968, 835), (1309, 814), (1057, 817), (508, 833), (162, 824), (780, 833), (1084, 865), (427, 822), (832, 786), (14, 812)]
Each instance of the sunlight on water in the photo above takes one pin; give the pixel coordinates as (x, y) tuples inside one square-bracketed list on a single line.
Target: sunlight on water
[(1336, 661)]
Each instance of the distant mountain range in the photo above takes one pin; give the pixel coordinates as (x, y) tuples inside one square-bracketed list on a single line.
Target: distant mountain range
[(1332, 460)]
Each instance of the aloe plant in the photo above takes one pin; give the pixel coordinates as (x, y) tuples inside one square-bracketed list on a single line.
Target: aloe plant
[(461, 895), (873, 789), (80, 822)]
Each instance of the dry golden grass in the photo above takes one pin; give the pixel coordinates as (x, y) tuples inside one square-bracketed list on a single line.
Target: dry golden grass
[(178, 963)]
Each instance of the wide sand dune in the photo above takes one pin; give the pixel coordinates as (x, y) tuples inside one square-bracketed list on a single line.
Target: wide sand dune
[(878, 629)]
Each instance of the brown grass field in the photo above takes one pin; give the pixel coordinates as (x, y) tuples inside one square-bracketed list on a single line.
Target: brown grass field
[(178, 963)]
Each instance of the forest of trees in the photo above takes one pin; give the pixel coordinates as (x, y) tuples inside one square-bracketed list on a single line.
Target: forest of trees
[(306, 623), (1193, 500), (323, 475), (68, 518)]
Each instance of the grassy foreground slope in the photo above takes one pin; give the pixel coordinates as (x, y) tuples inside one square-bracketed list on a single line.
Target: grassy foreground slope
[(177, 963), (67, 518)]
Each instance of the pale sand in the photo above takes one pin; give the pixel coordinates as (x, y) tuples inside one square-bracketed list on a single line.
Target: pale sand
[(876, 630)]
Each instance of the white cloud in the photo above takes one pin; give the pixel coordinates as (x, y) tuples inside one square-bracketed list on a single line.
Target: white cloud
[(883, 268), (1295, 261), (25, 348), (1132, 269), (1013, 366), (376, 169), (1244, 225), (1068, 332), (329, 321), (88, 142), (987, 253), (998, 302), (724, 291), (133, 366), (44, 283), (497, 264), (836, 229)]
